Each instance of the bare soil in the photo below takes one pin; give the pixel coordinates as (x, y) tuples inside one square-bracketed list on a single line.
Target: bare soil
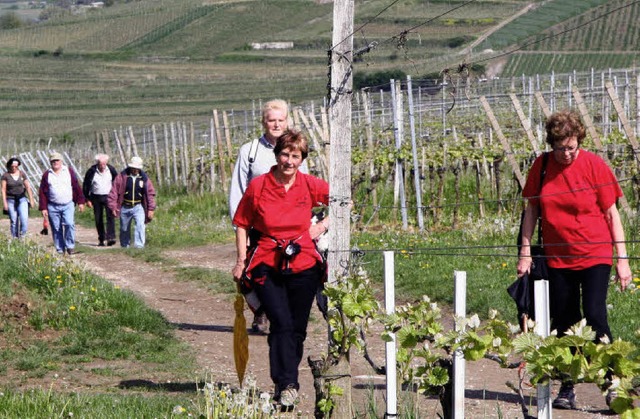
[(205, 321)]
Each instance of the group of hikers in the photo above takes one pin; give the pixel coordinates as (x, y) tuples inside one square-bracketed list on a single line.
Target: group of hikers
[(270, 204), (129, 195)]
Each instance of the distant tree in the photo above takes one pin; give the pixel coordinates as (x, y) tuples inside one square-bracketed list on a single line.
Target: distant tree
[(10, 20), (378, 79)]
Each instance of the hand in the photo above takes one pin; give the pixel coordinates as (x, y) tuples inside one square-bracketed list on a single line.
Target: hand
[(90, 204), (150, 215), (45, 214), (114, 212), (316, 230), (524, 265), (81, 207), (237, 271), (623, 273)]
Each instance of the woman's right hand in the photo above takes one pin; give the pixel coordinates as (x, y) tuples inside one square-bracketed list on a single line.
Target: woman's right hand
[(524, 265), (237, 271)]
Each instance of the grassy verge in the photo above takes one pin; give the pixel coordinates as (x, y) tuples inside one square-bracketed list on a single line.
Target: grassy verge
[(59, 323)]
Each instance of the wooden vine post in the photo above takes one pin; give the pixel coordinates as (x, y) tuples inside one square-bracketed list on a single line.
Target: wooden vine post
[(525, 122), (503, 140), (220, 144), (628, 130), (339, 257), (588, 122)]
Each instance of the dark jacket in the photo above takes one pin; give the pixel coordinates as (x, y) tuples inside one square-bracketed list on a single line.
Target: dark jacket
[(78, 196), (88, 178)]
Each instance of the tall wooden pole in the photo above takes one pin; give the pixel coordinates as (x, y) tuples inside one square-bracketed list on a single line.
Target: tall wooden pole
[(340, 96)]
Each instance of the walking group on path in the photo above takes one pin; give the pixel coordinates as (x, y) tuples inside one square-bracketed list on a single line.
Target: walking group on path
[(129, 195)]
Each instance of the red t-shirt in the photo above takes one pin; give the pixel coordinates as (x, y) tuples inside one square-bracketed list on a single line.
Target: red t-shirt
[(281, 216), (574, 200)]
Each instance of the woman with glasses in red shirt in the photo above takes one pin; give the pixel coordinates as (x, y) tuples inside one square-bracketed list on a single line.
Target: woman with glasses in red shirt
[(581, 227)]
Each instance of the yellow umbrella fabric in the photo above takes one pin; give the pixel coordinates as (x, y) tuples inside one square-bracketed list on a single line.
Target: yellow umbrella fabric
[(240, 338)]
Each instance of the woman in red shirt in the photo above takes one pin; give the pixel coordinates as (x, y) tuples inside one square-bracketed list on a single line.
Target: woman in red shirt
[(580, 228), (284, 266)]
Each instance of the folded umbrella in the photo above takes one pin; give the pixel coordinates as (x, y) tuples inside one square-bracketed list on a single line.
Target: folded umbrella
[(240, 338)]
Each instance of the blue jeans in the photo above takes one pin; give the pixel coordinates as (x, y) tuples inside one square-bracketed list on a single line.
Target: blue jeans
[(19, 215), (63, 226), (128, 214)]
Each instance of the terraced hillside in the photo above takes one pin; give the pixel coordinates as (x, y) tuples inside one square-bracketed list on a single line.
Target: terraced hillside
[(156, 61)]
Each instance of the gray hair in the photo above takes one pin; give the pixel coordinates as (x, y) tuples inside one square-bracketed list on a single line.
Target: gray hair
[(102, 157)]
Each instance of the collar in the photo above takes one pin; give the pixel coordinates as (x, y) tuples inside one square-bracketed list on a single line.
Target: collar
[(263, 140)]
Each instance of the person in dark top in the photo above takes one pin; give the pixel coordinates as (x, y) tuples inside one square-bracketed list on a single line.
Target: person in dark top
[(96, 187), (15, 189), (132, 197)]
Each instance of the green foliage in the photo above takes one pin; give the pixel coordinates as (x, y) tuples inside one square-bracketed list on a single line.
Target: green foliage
[(189, 220), (37, 403), (578, 357), (94, 318), (10, 20), (378, 79), (351, 304)]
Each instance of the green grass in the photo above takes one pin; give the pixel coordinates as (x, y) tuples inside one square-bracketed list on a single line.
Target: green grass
[(425, 265), (42, 403), (88, 317)]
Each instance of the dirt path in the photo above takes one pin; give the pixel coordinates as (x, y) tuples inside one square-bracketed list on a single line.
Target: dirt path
[(205, 320)]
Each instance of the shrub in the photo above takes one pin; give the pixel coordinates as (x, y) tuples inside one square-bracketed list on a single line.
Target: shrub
[(10, 21)]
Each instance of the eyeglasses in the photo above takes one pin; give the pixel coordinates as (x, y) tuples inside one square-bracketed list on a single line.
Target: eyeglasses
[(571, 149)]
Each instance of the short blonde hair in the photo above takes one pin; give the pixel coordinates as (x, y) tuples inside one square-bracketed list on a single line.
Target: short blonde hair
[(277, 104)]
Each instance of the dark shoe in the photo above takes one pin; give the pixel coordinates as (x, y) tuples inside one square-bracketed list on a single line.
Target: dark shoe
[(260, 323), (566, 397), (71, 252), (44, 231), (111, 242), (101, 244)]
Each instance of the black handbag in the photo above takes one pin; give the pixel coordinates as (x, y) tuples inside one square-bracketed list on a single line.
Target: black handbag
[(521, 290)]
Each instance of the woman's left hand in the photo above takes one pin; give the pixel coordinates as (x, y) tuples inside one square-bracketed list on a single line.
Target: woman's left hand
[(623, 273), (316, 230)]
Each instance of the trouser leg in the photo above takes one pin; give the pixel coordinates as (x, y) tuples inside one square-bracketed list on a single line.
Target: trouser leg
[(141, 227), (287, 301), (595, 285), (69, 224), (23, 216), (126, 217), (564, 296), (98, 210), (55, 223)]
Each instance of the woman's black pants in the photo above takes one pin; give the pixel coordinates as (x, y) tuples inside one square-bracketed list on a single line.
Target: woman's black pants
[(287, 301), (568, 288)]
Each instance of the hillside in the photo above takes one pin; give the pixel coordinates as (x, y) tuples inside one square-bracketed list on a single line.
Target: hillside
[(154, 61)]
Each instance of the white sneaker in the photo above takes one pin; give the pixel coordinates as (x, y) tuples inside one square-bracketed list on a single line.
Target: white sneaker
[(289, 396)]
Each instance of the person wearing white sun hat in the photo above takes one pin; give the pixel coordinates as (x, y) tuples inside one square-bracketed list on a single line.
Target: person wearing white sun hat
[(133, 197)]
